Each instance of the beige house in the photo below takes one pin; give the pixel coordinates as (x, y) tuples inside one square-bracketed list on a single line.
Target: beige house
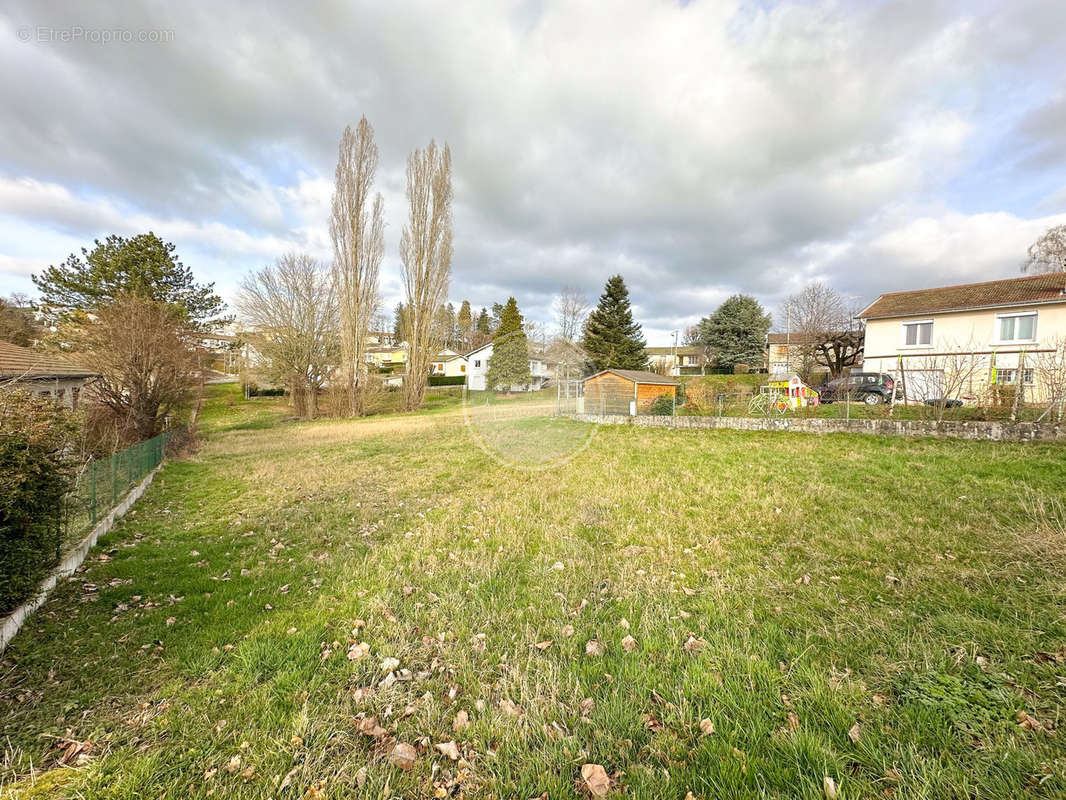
[(959, 342), (43, 374), (680, 360), (448, 364)]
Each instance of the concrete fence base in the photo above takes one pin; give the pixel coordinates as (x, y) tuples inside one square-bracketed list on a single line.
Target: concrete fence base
[(13, 622), (951, 429)]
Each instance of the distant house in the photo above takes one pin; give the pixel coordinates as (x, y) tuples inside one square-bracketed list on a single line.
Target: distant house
[(625, 391), (380, 339), (682, 360), (477, 364), (387, 358), (44, 374), (789, 353), (998, 325), (448, 364)]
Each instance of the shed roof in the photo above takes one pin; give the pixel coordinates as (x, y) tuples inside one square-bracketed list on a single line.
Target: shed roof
[(1031, 289), (637, 376), (21, 362)]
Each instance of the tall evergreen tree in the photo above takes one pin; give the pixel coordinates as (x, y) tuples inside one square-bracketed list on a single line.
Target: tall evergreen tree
[(466, 325), (736, 332), (399, 323), (142, 266), (509, 363), (612, 339), (483, 323)]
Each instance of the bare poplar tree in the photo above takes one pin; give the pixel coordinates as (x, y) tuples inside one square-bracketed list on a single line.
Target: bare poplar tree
[(1050, 373), (357, 228), (571, 308), (426, 252), (1048, 253), (292, 307)]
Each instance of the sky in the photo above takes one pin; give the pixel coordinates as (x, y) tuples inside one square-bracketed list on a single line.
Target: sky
[(699, 149)]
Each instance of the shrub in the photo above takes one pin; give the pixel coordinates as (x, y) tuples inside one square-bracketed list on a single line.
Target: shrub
[(741, 369), (38, 457), (662, 406), (446, 380)]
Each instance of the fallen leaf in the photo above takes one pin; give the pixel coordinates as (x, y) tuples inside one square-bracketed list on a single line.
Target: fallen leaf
[(248, 772), (829, 786), (461, 721), (171, 621), (389, 664), (403, 756), (596, 780), (586, 706), (449, 749), (357, 651), (855, 732), (287, 780), (542, 646), (706, 727), (594, 648), (793, 720), (510, 709), (568, 631), (629, 644), (693, 644), (370, 727), (234, 764), (623, 624)]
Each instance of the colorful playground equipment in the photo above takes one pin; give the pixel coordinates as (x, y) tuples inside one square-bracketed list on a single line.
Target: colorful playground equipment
[(780, 397)]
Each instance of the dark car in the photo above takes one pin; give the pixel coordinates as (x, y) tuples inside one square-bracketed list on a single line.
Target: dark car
[(872, 388)]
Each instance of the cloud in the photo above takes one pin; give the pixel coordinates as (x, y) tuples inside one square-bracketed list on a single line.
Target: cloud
[(699, 149)]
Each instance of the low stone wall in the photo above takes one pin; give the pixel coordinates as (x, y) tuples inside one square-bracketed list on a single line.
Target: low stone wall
[(952, 429)]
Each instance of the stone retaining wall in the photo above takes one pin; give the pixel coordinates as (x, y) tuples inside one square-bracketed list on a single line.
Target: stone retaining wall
[(953, 429)]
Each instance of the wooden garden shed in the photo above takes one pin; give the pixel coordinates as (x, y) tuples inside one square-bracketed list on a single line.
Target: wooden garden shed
[(625, 391)]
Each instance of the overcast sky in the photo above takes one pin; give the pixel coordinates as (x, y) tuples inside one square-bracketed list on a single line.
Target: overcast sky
[(699, 149)]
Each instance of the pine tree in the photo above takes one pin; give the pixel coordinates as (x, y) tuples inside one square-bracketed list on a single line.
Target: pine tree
[(509, 363), (399, 328), (612, 339)]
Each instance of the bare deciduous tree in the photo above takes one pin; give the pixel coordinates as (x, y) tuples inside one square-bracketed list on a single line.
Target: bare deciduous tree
[(426, 252), (1048, 253), (292, 307), (940, 380), (822, 321), (357, 228), (1049, 368), (145, 354), (571, 308)]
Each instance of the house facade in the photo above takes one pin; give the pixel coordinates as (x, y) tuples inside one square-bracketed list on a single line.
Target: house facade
[(958, 342), (681, 360), (448, 364), (477, 370), (387, 358), (44, 374)]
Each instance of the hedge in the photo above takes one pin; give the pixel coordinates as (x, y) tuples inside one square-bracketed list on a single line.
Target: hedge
[(37, 467), (447, 380)]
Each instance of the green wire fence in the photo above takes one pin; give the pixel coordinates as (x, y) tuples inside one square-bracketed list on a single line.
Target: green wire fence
[(103, 482)]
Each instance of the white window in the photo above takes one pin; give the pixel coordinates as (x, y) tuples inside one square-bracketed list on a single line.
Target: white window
[(1016, 327), (918, 334), (1011, 376)]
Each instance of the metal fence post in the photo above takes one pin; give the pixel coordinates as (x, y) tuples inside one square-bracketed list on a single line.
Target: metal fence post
[(92, 490)]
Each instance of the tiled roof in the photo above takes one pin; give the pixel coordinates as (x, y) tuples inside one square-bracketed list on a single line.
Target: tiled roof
[(1050, 287), (21, 362), (638, 376)]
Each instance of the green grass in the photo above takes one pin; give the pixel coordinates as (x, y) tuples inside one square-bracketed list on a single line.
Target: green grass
[(911, 586)]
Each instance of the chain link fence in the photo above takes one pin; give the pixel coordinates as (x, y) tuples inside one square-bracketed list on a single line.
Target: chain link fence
[(103, 482)]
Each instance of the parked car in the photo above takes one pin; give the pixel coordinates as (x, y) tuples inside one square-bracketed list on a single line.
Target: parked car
[(871, 388)]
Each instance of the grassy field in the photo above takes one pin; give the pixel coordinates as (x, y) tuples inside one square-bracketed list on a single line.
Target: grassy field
[(715, 613)]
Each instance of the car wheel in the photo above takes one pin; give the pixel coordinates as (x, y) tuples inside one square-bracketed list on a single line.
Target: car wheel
[(873, 399)]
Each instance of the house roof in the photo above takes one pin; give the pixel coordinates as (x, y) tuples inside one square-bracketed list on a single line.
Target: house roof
[(684, 350), (637, 376), (1028, 290), (447, 357), (21, 362)]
